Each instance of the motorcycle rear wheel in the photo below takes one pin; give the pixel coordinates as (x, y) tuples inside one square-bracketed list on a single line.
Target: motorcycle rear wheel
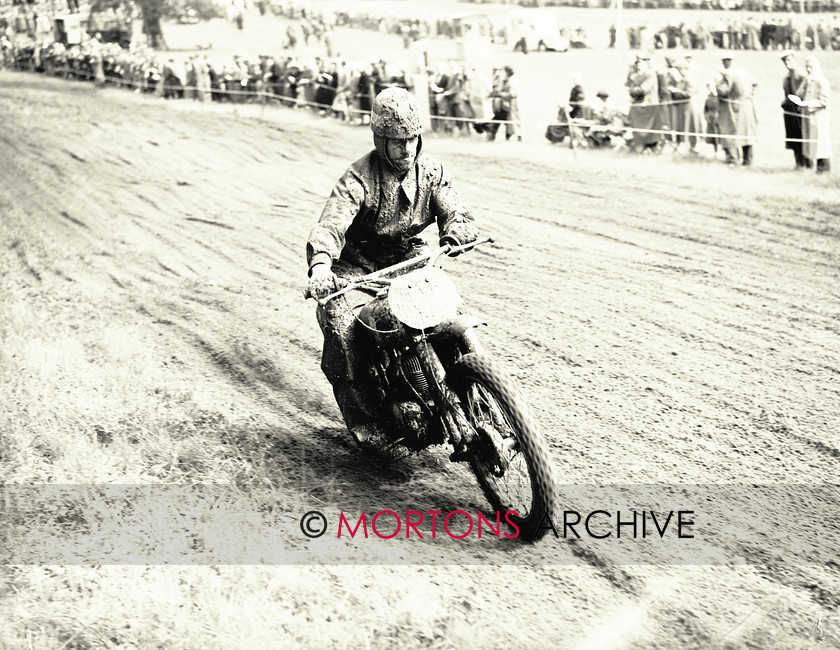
[(497, 411)]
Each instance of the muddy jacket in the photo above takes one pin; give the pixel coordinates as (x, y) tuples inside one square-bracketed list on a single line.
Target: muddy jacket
[(372, 218)]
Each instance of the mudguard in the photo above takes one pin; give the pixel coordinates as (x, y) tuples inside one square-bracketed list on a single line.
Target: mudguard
[(455, 327)]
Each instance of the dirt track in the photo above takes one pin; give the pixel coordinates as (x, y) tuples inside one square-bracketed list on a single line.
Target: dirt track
[(669, 323)]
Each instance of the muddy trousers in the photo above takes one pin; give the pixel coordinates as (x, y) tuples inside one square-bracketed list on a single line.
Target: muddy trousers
[(346, 356), (344, 359), (355, 402)]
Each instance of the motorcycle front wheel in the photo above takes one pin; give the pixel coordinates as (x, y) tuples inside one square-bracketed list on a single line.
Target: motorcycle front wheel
[(510, 458)]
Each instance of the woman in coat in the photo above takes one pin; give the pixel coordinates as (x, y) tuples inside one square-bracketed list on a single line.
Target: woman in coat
[(687, 107), (815, 95), (737, 118)]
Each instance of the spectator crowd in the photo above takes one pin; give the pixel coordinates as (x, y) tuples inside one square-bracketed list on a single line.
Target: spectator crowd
[(736, 32), (666, 104), (673, 105)]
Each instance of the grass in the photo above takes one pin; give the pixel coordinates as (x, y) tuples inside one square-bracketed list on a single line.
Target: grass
[(86, 403), (230, 607), (74, 403)]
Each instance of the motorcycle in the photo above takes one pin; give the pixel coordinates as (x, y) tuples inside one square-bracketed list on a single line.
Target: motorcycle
[(438, 386)]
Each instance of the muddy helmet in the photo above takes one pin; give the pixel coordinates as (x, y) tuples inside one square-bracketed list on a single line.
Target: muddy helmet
[(395, 115)]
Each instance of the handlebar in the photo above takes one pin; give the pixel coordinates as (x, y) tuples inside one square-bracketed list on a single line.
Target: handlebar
[(428, 259)]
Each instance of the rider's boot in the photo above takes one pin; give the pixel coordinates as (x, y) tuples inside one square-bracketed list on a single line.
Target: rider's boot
[(370, 437), (360, 416)]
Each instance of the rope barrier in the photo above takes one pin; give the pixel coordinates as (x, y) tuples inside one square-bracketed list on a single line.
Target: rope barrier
[(263, 95), (698, 134)]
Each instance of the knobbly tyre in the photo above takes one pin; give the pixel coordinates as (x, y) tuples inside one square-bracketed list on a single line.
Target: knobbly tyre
[(438, 386)]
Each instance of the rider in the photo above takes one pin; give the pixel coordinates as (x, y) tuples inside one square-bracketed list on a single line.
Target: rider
[(372, 220)]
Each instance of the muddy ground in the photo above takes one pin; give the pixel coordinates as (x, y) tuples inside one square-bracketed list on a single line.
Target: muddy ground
[(671, 322)]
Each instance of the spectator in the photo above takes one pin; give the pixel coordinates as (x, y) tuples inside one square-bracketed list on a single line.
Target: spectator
[(577, 108), (329, 42), (191, 89), (491, 104), (215, 77), (810, 34), (477, 88), (791, 107), (687, 112), (292, 35), (456, 99), (308, 83), (326, 88), (737, 119), (711, 115), (500, 98), (577, 98), (173, 87), (667, 81), (642, 82), (204, 84), (609, 123), (511, 88), (365, 93), (95, 54), (645, 114), (343, 93), (823, 34), (816, 94), (603, 109), (438, 82)]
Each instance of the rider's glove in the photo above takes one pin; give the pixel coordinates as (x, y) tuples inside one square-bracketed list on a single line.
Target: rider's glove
[(459, 234), (322, 281)]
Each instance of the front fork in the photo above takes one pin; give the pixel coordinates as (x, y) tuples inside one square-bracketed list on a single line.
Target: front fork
[(459, 431)]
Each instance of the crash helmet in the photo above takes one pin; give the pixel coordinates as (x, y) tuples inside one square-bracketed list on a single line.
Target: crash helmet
[(395, 115)]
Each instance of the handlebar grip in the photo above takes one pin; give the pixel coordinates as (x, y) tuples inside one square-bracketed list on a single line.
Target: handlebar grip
[(457, 250)]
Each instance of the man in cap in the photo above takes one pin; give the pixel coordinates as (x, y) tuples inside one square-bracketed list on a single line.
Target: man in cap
[(372, 220), (792, 84), (609, 128), (602, 108), (737, 121)]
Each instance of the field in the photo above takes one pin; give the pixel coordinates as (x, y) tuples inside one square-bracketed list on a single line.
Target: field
[(671, 322)]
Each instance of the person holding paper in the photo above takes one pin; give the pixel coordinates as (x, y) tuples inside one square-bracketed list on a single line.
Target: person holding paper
[(815, 94)]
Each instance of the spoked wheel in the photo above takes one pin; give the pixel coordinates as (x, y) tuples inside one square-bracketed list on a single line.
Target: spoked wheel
[(510, 457)]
